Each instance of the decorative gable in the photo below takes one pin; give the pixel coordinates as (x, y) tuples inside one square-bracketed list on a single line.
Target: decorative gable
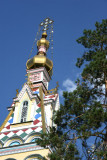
[(33, 124), (27, 89)]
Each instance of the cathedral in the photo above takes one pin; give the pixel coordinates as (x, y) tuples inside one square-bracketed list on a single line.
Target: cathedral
[(32, 109)]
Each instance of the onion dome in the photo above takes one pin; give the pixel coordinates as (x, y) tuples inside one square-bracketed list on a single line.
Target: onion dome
[(43, 43), (40, 60)]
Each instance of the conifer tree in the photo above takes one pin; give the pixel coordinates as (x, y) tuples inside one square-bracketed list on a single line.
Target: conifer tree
[(83, 116)]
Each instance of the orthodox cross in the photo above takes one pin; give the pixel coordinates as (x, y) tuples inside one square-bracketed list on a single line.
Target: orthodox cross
[(46, 23)]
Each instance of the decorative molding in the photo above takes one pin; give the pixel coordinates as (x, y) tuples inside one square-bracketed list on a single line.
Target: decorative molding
[(13, 139), (20, 124), (42, 69), (19, 149), (22, 133)]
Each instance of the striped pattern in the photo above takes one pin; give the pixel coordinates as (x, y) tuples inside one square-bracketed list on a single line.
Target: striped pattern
[(20, 149)]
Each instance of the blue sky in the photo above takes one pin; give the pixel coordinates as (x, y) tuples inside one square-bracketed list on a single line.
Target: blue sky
[(19, 21)]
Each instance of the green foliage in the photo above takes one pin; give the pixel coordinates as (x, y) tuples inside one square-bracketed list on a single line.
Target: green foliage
[(83, 114)]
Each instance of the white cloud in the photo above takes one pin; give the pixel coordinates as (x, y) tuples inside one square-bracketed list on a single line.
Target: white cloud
[(68, 85)]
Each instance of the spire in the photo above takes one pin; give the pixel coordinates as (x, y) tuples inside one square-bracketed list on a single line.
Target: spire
[(40, 60)]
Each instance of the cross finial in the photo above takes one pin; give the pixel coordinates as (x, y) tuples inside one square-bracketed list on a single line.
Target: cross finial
[(46, 23)]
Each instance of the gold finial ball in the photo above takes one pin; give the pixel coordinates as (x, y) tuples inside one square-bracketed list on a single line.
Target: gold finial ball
[(43, 41), (44, 35)]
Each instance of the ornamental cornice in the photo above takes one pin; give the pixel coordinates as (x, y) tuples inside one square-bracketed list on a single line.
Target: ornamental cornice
[(19, 149)]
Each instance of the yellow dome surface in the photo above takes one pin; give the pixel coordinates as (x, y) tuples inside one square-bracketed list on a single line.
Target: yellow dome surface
[(40, 61)]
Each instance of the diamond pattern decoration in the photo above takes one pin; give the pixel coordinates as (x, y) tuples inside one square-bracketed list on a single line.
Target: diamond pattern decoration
[(10, 134), (37, 118), (22, 133), (38, 110), (36, 121), (4, 138), (11, 121)]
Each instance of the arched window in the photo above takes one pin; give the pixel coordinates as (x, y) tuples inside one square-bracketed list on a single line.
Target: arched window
[(14, 143), (24, 111), (34, 157)]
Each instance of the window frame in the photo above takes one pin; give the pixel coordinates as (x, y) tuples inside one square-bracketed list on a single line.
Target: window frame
[(24, 108)]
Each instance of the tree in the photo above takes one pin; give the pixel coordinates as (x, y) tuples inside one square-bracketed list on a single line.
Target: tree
[(83, 116)]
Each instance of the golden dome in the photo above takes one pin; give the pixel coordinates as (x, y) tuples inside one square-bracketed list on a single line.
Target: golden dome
[(40, 60)]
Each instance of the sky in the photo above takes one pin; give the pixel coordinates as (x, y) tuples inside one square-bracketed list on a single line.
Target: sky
[(19, 21)]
